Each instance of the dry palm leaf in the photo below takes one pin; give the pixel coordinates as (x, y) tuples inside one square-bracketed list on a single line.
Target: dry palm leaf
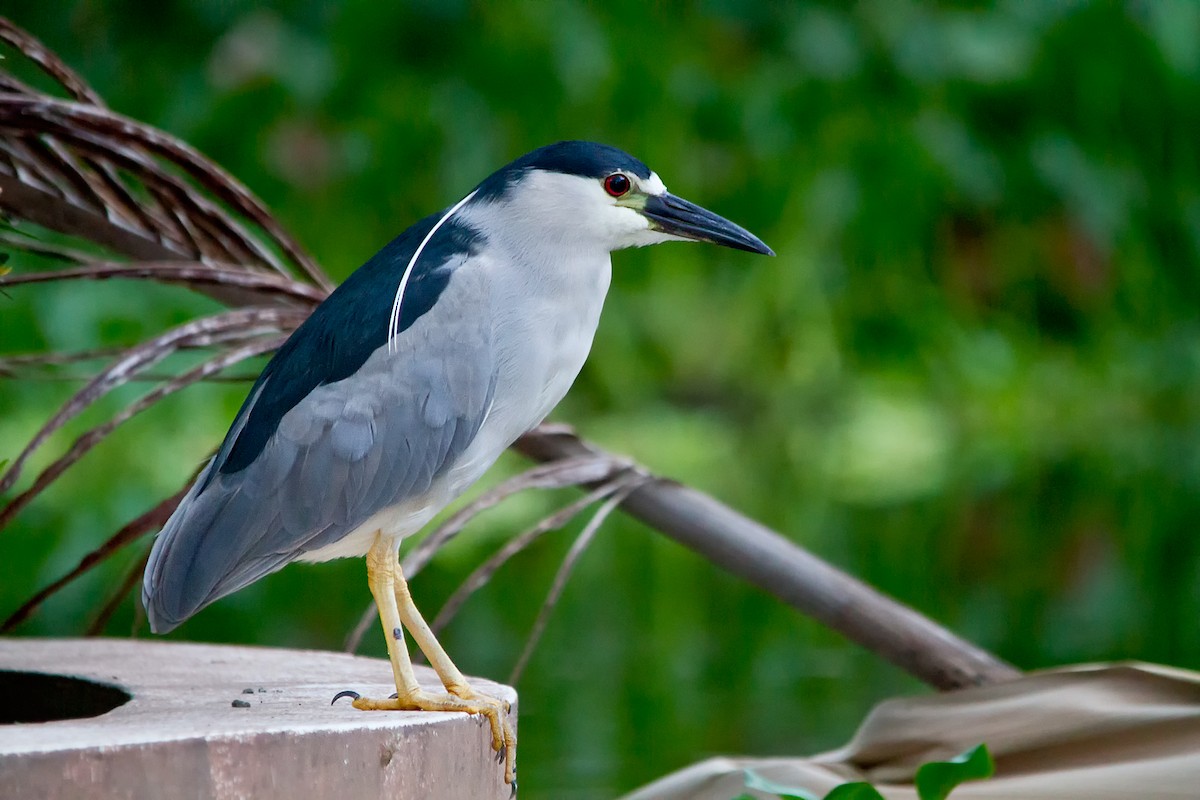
[(112, 198)]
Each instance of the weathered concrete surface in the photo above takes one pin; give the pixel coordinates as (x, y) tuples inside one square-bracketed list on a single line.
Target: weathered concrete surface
[(181, 737)]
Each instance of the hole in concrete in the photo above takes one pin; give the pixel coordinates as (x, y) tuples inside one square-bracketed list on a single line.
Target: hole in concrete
[(38, 697)]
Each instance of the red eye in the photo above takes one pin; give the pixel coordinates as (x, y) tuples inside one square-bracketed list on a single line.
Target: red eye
[(617, 184)]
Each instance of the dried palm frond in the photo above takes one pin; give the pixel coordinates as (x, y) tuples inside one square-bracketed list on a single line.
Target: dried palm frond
[(116, 199), (559, 474), (135, 529), (71, 165), (585, 537), (119, 199), (111, 198)]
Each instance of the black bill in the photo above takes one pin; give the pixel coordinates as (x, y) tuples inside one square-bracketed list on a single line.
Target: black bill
[(674, 215)]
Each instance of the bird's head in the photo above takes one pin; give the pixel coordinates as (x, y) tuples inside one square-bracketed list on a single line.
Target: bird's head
[(592, 195)]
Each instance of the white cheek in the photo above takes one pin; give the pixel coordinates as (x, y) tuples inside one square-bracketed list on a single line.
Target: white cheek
[(622, 220), (628, 228)]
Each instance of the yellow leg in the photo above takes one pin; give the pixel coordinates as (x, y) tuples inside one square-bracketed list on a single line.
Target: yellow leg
[(387, 587), (454, 681), (381, 579)]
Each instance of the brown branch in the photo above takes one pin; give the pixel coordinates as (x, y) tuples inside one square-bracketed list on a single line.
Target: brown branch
[(587, 469), (10, 363), (585, 538), (59, 358), (95, 176), (170, 190), (558, 475), (74, 121), (227, 238), (230, 325), (49, 63), (150, 520), (182, 272), (50, 211), (10, 84), (97, 626), (56, 170), (38, 171), (766, 559), (44, 208), (80, 447), (483, 573), (27, 244)]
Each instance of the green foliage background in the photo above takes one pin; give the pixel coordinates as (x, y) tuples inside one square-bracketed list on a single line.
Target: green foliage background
[(971, 377)]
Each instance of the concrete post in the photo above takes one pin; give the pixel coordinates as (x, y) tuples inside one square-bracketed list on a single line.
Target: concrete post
[(161, 720)]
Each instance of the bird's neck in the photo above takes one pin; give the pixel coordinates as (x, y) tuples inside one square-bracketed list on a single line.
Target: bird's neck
[(543, 260), (547, 295)]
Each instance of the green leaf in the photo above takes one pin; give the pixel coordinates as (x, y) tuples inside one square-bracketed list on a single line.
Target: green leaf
[(855, 791), (755, 781), (937, 779)]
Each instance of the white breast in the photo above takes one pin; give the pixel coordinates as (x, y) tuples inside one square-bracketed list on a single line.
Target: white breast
[(544, 331), (545, 300)]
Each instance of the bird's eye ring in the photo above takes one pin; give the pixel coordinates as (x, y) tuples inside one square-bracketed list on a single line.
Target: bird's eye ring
[(617, 184)]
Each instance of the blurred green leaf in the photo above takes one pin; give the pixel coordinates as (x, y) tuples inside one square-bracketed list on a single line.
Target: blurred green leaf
[(935, 780), (854, 791)]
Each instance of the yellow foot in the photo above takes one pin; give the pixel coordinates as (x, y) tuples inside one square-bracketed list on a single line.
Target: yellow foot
[(465, 700)]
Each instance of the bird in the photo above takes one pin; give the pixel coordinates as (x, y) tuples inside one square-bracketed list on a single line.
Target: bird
[(406, 383)]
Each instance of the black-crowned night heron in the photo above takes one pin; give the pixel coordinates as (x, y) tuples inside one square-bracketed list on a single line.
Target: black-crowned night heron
[(408, 382)]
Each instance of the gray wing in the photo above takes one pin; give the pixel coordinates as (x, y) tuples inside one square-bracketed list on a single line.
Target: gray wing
[(344, 452)]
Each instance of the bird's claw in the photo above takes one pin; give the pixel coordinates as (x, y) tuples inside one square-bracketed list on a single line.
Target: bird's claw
[(353, 695), (493, 712)]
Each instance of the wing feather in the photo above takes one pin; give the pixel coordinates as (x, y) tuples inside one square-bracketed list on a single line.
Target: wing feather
[(345, 451)]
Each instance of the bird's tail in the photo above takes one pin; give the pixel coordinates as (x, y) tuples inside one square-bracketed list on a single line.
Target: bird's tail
[(197, 558)]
